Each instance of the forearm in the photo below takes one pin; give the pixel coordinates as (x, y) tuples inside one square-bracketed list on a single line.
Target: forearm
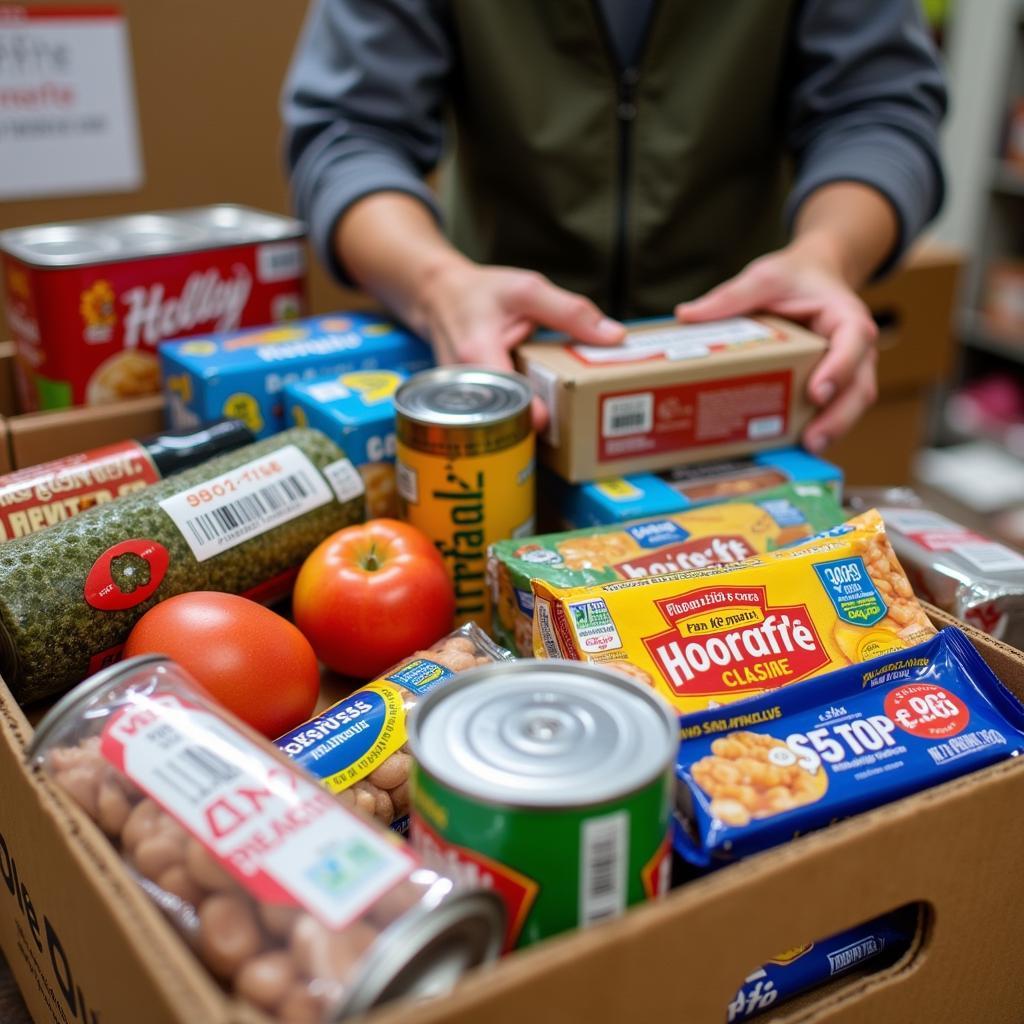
[(850, 228), (391, 246)]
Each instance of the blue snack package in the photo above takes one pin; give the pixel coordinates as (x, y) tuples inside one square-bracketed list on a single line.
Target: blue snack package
[(760, 772), (876, 943)]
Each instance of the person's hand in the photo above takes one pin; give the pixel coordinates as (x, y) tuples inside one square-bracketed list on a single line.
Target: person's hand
[(803, 282), (478, 314)]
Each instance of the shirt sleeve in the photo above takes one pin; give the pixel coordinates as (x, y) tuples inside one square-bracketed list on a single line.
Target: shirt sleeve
[(866, 103), (363, 108)]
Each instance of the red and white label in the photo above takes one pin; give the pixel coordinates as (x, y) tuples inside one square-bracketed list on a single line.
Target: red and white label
[(926, 710), (635, 423), (37, 497), (285, 839), (932, 532), (224, 511), (517, 891), (730, 641), (126, 574)]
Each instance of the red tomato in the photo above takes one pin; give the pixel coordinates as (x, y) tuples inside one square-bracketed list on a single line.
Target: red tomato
[(370, 595), (251, 661)]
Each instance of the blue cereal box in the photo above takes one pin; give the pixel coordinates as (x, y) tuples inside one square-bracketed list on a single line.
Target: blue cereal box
[(617, 499), (242, 374), (357, 411)]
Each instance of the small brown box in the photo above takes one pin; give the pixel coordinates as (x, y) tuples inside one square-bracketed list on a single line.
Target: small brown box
[(673, 393)]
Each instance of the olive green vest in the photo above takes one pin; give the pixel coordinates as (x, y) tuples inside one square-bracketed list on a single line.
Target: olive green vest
[(640, 190)]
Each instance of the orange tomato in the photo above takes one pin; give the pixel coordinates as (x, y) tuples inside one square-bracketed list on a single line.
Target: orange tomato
[(250, 660), (372, 594)]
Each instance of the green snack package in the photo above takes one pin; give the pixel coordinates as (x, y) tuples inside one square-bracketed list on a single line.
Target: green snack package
[(709, 535), (241, 523)]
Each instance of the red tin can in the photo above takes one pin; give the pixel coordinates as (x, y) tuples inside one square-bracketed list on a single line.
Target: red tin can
[(89, 301)]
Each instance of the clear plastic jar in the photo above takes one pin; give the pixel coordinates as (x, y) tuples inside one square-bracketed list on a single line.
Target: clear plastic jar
[(295, 903)]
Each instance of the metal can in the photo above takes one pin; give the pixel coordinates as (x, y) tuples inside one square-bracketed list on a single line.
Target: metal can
[(88, 301), (465, 469), (550, 783), (297, 905)]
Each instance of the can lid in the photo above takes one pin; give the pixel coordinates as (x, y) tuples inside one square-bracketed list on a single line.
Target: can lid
[(430, 947), (543, 734), (135, 235), (83, 693), (463, 396)]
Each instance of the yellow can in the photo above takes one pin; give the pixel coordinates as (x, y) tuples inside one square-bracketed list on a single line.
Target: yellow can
[(465, 469)]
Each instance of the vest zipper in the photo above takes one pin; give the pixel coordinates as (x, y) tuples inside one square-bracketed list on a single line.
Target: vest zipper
[(625, 113)]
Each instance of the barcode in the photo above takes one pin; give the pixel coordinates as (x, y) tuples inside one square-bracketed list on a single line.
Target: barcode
[(629, 414), (603, 853), (236, 516), (990, 556), (195, 772)]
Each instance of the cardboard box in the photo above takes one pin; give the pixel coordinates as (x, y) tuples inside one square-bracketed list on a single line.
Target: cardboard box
[(86, 945), (30, 438), (621, 498), (673, 393), (243, 373), (880, 448)]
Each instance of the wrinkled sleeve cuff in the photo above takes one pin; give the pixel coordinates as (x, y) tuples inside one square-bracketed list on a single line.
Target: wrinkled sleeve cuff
[(889, 161), (349, 180)]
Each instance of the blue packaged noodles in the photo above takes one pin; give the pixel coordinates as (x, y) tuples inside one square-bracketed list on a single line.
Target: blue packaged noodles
[(873, 944), (760, 772)]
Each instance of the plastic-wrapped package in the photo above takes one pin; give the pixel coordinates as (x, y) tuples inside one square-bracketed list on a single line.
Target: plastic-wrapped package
[(357, 747), (291, 901)]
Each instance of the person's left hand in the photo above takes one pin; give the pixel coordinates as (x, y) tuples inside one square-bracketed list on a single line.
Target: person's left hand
[(802, 283)]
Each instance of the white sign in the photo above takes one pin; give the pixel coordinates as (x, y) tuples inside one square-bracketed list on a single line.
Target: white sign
[(67, 107)]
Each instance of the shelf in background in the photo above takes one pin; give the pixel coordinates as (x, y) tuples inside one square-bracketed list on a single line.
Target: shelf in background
[(977, 334)]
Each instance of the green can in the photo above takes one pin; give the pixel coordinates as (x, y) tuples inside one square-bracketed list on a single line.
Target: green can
[(549, 782)]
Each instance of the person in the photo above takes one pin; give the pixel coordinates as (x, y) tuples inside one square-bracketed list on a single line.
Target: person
[(605, 159)]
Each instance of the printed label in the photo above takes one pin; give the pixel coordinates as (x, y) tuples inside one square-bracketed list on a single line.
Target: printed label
[(285, 839), (243, 503), (852, 591), (932, 532), (346, 481), (675, 342), (698, 414), (618, 489), (464, 505), (33, 499), (517, 891), (627, 414), (604, 860), (724, 640), (280, 261), (126, 575), (420, 675), (698, 553), (657, 533), (595, 631), (923, 709)]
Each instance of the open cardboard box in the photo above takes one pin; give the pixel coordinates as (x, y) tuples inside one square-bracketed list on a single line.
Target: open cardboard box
[(85, 944), (30, 438)]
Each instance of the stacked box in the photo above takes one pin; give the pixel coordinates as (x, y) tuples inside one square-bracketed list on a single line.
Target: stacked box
[(618, 499), (243, 374), (355, 410)]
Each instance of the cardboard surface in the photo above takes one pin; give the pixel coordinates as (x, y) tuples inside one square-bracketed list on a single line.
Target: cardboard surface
[(957, 848), (729, 401), (880, 449)]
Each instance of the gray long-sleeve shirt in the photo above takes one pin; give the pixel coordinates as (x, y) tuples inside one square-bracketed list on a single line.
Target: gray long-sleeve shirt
[(364, 104)]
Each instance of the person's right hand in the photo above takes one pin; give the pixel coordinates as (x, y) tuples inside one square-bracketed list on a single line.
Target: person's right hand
[(478, 314)]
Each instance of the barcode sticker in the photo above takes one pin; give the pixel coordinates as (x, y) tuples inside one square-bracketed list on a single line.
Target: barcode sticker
[(627, 414), (345, 480), (280, 261), (243, 503), (604, 855), (988, 556), (408, 482), (283, 838)]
